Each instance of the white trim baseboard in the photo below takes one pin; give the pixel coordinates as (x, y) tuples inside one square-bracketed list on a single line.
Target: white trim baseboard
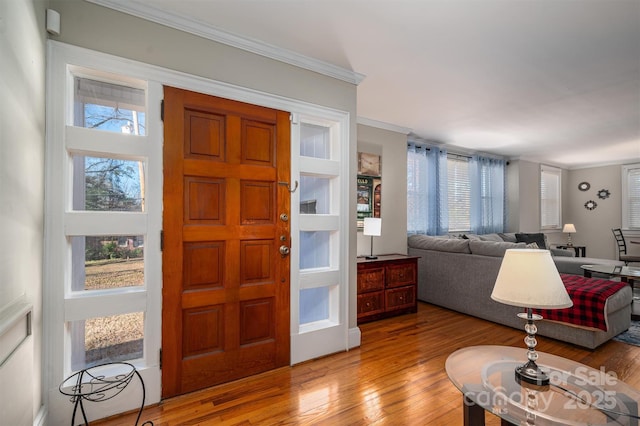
[(354, 338)]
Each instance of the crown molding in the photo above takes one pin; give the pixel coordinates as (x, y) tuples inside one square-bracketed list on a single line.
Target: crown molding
[(209, 32), (590, 165), (384, 126)]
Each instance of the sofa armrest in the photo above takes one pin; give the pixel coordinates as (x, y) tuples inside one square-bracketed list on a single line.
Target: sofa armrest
[(572, 265), (562, 252)]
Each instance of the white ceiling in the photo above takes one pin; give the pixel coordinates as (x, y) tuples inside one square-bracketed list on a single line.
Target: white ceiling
[(552, 81)]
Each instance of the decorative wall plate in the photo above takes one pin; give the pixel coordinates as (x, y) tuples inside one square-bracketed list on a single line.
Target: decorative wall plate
[(603, 194), (584, 186), (590, 205)]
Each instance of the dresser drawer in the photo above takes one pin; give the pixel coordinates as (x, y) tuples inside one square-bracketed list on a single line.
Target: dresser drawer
[(400, 297), (370, 279), (370, 303), (401, 274), (386, 286)]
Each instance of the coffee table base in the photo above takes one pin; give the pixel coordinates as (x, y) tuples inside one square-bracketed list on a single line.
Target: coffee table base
[(474, 414)]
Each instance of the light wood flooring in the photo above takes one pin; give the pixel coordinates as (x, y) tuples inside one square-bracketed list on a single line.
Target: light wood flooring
[(396, 377)]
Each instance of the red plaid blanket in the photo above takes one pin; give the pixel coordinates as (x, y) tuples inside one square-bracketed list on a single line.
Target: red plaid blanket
[(589, 296)]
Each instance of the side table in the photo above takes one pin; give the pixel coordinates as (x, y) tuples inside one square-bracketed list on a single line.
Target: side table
[(89, 384), (581, 251)]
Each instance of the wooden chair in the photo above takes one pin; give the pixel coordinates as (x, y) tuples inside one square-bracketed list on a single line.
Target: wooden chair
[(622, 247)]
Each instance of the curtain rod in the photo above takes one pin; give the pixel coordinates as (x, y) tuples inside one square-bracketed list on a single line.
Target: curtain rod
[(427, 147)]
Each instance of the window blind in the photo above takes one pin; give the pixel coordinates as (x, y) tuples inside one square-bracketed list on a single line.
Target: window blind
[(550, 200), (114, 95), (459, 194), (633, 197)]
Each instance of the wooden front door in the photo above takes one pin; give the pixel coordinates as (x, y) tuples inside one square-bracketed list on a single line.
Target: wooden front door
[(225, 283)]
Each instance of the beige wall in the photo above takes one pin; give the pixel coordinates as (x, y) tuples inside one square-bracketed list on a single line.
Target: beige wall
[(22, 106), (593, 227), (523, 200), (95, 27), (392, 147)]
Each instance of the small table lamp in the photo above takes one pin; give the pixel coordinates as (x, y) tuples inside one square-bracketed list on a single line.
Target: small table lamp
[(569, 228), (528, 278), (373, 227)]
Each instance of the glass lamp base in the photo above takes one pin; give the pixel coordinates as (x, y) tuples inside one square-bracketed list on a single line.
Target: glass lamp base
[(532, 374)]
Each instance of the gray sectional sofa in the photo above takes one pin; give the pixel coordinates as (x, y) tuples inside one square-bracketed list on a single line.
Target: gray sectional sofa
[(459, 274)]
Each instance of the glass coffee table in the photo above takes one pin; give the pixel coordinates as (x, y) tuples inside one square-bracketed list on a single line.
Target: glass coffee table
[(577, 394), (626, 273)]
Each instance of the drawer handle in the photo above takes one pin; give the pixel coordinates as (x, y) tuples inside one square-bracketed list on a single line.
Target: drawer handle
[(368, 304)]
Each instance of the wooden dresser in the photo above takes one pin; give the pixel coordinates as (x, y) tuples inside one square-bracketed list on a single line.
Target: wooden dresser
[(386, 286)]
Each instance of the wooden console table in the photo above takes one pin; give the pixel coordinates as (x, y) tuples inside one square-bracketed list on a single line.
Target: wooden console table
[(386, 286)]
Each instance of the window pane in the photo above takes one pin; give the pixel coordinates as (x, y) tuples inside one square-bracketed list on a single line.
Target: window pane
[(315, 195), (459, 194), (550, 198), (103, 262), (110, 107), (106, 339), (107, 184), (314, 249), (633, 198), (315, 141), (314, 304)]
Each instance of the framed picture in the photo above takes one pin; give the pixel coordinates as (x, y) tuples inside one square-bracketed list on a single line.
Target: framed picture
[(369, 164), (368, 198)]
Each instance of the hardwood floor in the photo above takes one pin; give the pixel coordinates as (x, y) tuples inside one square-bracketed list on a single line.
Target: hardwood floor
[(396, 377)]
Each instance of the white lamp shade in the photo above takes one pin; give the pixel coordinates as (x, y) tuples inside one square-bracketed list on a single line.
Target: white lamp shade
[(569, 228), (528, 278), (372, 226)]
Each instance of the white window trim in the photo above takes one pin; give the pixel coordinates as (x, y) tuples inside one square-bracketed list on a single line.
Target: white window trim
[(319, 338), (558, 172), (61, 222), (625, 198), (60, 55)]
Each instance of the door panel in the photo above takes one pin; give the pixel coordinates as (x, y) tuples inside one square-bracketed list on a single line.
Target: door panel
[(226, 285)]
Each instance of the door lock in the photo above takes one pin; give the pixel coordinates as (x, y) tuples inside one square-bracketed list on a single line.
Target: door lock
[(284, 217), (284, 250)]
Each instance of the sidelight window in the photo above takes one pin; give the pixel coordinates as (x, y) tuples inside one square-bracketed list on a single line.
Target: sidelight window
[(105, 229)]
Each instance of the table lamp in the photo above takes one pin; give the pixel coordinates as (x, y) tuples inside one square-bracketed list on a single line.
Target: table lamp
[(569, 228), (528, 278), (372, 227)]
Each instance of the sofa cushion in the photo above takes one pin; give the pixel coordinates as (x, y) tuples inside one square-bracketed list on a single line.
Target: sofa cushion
[(532, 238), (427, 242), (509, 237), (491, 237), (493, 248), (470, 237)]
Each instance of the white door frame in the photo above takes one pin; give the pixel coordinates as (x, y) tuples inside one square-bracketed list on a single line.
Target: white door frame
[(57, 263)]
